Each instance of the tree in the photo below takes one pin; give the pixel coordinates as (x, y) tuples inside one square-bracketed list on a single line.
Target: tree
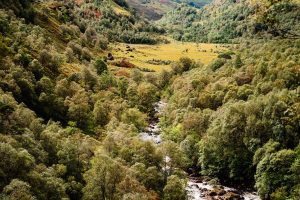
[(273, 175), (130, 188), (135, 117), (184, 64), (102, 179), (175, 189), (147, 96), (78, 108), (238, 61), (100, 66), (101, 113), (14, 162), (174, 158), (18, 190)]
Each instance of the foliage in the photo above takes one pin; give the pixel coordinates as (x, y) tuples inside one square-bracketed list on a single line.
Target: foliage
[(240, 115), (62, 107), (225, 21), (100, 66)]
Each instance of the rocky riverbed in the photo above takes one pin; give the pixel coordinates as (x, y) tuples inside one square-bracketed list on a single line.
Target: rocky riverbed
[(197, 188)]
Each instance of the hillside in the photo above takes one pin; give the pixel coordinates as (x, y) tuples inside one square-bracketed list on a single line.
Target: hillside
[(223, 21), (98, 103), (68, 125), (156, 9)]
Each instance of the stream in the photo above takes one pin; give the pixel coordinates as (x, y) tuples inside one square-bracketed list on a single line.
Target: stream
[(197, 188)]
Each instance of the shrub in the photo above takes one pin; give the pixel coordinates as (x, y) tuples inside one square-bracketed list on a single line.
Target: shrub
[(217, 64), (102, 43), (77, 48), (226, 55), (86, 54), (50, 60), (100, 66), (184, 64), (69, 54)]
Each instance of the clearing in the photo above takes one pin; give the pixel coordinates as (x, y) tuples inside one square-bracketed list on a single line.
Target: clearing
[(159, 57)]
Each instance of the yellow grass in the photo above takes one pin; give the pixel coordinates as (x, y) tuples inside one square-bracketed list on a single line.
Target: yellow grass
[(119, 10), (173, 51)]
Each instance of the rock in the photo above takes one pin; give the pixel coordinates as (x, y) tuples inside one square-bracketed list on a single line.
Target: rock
[(221, 192), (210, 198), (125, 63), (212, 193), (198, 181), (128, 48), (110, 56), (234, 191), (233, 196), (217, 191)]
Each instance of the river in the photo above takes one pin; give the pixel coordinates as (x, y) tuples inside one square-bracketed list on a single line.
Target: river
[(197, 188)]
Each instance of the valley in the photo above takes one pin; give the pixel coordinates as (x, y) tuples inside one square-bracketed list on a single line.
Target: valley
[(197, 187), (149, 100)]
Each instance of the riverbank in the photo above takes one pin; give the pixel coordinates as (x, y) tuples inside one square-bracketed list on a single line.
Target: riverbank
[(197, 188)]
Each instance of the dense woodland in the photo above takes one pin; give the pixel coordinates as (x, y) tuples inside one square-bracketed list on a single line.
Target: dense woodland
[(224, 21), (69, 126)]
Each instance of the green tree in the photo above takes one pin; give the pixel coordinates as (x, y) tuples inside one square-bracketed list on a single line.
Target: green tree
[(100, 66), (78, 108), (175, 189), (102, 179), (147, 96), (18, 190), (273, 172), (101, 113), (135, 117)]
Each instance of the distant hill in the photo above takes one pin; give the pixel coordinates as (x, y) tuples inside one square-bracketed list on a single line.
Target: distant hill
[(225, 20), (155, 9)]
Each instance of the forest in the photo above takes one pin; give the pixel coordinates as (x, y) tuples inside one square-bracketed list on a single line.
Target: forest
[(71, 111)]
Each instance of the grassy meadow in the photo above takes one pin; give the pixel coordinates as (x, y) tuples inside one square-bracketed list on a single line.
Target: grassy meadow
[(164, 54)]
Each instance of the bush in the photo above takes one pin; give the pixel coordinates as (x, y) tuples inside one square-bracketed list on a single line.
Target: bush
[(100, 66), (86, 54), (77, 48), (50, 60), (184, 64), (217, 64), (102, 43), (226, 55)]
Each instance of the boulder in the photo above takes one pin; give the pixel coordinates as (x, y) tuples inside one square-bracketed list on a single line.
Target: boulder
[(125, 63), (233, 196), (217, 191), (212, 193), (110, 56)]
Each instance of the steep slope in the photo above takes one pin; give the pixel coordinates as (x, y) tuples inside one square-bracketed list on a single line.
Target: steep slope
[(68, 125), (156, 9), (237, 119), (225, 20)]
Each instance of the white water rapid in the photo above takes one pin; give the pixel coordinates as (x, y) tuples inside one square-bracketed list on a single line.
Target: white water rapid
[(196, 188)]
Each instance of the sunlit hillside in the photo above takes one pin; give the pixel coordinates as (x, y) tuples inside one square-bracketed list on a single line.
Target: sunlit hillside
[(155, 9), (97, 102)]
